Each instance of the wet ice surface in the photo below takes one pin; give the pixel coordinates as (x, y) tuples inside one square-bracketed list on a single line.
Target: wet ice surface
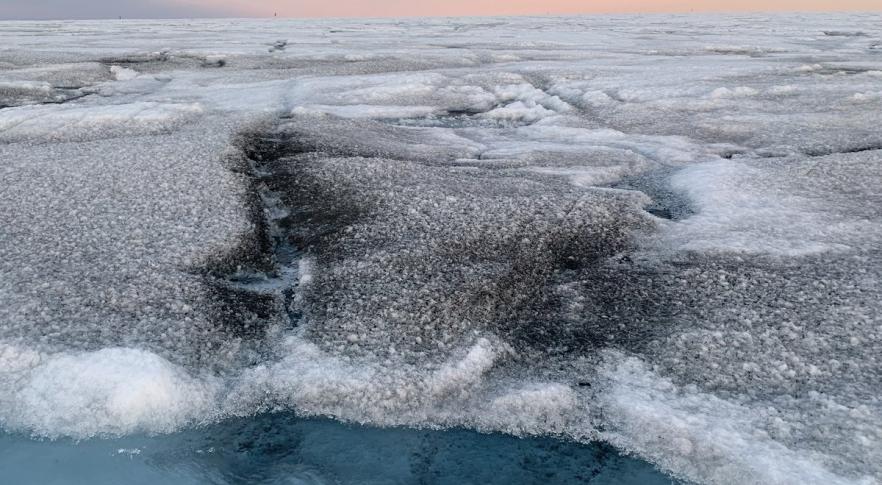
[(657, 233), (284, 449)]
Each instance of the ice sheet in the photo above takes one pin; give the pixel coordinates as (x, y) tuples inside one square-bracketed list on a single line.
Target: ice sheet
[(660, 232)]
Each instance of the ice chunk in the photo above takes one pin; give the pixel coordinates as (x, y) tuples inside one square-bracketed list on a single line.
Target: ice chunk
[(88, 122), (744, 208), (123, 73), (112, 391), (519, 111), (702, 437), (738, 92)]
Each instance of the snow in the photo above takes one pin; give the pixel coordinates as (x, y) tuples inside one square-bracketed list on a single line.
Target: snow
[(660, 232)]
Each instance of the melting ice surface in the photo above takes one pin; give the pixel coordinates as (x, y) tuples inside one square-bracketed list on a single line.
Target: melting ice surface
[(274, 449), (610, 249)]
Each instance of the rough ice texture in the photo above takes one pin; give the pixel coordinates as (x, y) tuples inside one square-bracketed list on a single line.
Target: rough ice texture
[(110, 391), (672, 245)]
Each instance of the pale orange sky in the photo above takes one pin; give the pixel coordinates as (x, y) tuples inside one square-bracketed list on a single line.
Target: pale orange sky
[(64, 9), (381, 8)]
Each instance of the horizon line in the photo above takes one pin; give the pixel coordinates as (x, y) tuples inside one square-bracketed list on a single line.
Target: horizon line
[(404, 17)]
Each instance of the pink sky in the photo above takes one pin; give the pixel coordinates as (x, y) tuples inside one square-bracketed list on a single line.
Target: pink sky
[(380, 8), (63, 9)]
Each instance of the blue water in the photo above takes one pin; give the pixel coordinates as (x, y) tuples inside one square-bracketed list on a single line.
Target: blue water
[(283, 449)]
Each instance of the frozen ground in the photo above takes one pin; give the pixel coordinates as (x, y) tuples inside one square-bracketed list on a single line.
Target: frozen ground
[(660, 233)]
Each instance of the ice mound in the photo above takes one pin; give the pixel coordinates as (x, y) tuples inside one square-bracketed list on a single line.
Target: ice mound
[(365, 137), (738, 92), (520, 111), (453, 249), (866, 97), (524, 102), (123, 73), (97, 252), (433, 95), (459, 392), (112, 391), (707, 439), (24, 68), (24, 89), (27, 92), (778, 208), (71, 122)]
